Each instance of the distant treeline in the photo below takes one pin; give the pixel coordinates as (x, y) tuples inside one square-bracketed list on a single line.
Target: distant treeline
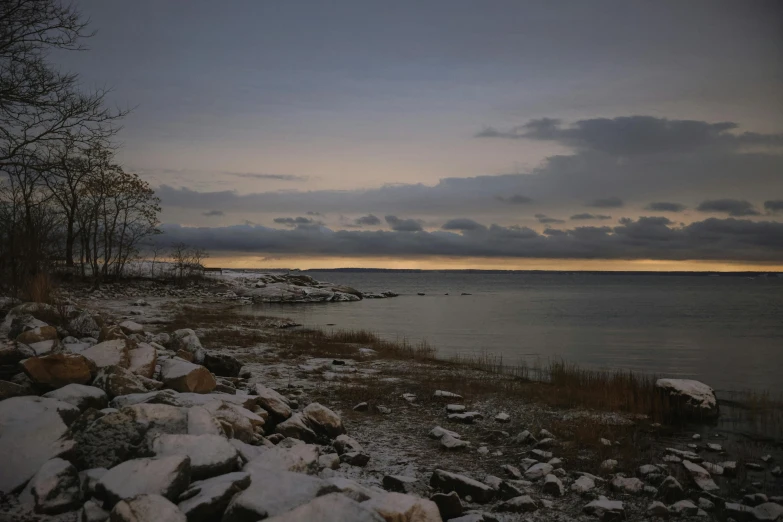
[(558, 272)]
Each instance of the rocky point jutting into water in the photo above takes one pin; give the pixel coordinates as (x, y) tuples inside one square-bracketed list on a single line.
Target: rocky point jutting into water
[(112, 409)]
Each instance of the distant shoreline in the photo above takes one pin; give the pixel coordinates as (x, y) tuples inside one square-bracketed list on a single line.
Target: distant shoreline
[(481, 271)]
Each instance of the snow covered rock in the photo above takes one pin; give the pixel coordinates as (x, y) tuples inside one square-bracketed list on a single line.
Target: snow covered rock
[(438, 432), (92, 511), (210, 455), (37, 335), (670, 490), (553, 486), (202, 422), (187, 340), (32, 431), (333, 507), (146, 508), (273, 492), (130, 327), (537, 471), (103, 441), (159, 418), (109, 353), (701, 477), (583, 485), (277, 405), (166, 476), (117, 381), (605, 509), (142, 360), (446, 481), (629, 485), (59, 369), (520, 504), (183, 376), (206, 500), (658, 509), (323, 421), (299, 458), (55, 488), (694, 399), (450, 443), (396, 506), (81, 396)]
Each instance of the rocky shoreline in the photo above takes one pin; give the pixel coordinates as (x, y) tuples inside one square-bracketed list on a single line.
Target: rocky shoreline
[(111, 410)]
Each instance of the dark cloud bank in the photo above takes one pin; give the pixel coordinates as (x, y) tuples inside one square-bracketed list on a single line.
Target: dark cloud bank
[(645, 238)]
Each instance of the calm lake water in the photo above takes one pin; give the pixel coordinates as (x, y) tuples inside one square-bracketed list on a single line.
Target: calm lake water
[(725, 331)]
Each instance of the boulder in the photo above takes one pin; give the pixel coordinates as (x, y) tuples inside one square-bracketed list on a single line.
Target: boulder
[(117, 381), (538, 471), (333, 507), (329, 461), (297, 427), (278, 406), (396, 506), (520, 504), (658, 510), (89, 480), (446, 481), (187, 340), (165, 476), (32, 432), (323, 421), (146, 508), (768, 511), (206, 500), (183, 376), (629, 485), (605, 509), (701, 477), (670, 490), (9, 389), (81, 396), (130, 327), (273, 492), (59, 369), (92, 511), (202, 422), (159, 418), (142, 360), (583, 485), (236, 421), (355, 458), (222, 364), (299, 458), (55, 488), (37, 335), (103, 441), (111, 333), (449, 505), (438, 432), (16, 324), (553, 486), (210, 455), (83, 324), (109, 353), (692, 399)]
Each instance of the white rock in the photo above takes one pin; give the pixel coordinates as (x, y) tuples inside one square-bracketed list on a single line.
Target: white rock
[(438, 432), (32, 431), (502, 417), (92, 512), (210, 455), (147, 508), (397, 506), (277, 405), (166, 476), (334, 507), (142, 360), (207, 499), (201, 422), (609, 464), (700, 476), (603, 506), (446, 395), (183, 376), (160, 418), (450, 443), (274, 492), (109, 353), (583, 485), (301, 458), (553, 486), (627, 484), (81, 396), (55, 488), (695, 398)]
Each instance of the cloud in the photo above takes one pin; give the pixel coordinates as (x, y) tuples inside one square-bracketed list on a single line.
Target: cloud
[(368, 220), (732, 207), (311, 213), (612, 202), (261, 176), (462, 225), (293, 222), (774, 206), (585, 216), (516, 199), (636, 135), (666, 206), (658, 238), (213, 213), (403, 225), (546, 220)]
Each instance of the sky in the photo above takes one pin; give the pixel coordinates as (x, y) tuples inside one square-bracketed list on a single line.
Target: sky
[(453, 134)]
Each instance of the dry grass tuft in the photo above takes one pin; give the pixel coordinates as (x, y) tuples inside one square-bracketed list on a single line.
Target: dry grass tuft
[(40, 289)]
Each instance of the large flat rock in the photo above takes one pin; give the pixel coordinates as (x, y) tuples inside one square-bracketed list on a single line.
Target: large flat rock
[(32, 431), (210, 455), (692, 399), (165, 476), (59, 369)]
